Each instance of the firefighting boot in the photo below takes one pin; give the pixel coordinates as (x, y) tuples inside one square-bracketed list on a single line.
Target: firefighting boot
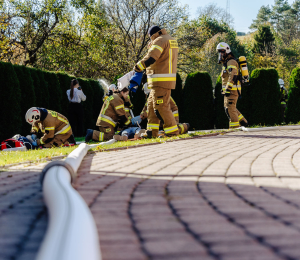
[(243, 123), (89, 135), (147, 134), (121, 137)]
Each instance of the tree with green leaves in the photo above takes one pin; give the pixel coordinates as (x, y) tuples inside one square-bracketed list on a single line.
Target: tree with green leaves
[(198, 101), (263, 17), (264, 41)]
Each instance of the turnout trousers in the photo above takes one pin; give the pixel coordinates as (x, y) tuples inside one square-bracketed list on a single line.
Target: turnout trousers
[(159, 109), (59, 140), (236, 119), (105, 133)]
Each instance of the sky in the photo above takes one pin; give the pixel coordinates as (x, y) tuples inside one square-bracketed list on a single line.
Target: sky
[(243, 11)]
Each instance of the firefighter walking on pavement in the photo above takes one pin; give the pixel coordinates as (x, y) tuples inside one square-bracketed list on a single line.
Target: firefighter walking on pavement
[(231, 86), (160, 64), (283, 99)]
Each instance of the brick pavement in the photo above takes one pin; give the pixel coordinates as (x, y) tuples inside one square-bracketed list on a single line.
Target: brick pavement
[(233, 196), (23, 218)]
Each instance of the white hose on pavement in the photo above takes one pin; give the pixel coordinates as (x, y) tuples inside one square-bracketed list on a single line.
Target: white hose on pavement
[(72, 232)]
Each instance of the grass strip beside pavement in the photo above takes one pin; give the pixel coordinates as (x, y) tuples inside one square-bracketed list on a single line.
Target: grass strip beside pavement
[(35, 156), (129, 143)]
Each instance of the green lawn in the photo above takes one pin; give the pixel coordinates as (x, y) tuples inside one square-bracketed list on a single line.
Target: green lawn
[(47, 154)]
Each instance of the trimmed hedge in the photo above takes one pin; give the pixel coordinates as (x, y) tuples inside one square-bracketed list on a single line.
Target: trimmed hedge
[(10, 105), (22, 87), (27, 94), (55, 92), (177, 94), (262, 101), (64, 82), (221, 119), (40, 88), (198, 101), (87, 89), (293, 107), (97, 99)]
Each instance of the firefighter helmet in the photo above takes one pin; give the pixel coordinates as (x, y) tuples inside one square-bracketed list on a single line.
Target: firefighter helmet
[(146, 89), (32, 115), (281, 82), (112, 87), (223, 46)]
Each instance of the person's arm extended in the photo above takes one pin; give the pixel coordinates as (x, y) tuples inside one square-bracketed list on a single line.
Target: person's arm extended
[(153, 55)]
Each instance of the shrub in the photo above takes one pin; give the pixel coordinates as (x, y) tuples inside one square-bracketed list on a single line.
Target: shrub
[(10, 108), (64, 83), (264, 97), (198, 101), (221, 119), (293, 107), (88, 104), (55, 92), (27, 95), (98, 99), (40, 88), (177, 94)]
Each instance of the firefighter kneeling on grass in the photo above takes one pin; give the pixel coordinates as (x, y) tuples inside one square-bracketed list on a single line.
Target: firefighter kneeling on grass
[(112, 113), (54, 127), (231, 86)]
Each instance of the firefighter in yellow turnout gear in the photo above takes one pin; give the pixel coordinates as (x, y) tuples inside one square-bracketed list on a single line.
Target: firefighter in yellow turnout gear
[(160, 64), (54, 127), (231, 86), (111, 115)]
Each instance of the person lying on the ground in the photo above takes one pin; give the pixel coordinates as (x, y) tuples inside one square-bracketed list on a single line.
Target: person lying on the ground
[(54, 128), (111, 116)]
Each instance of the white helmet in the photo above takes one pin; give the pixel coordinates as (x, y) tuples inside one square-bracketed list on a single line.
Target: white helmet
[(146, 89), (32, 115), (223, 46), (281, 82), (112, 87)]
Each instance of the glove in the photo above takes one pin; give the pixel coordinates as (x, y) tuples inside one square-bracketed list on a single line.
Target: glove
[(136, 120), (133, 87), (33, 136), (135, 81), (34, 143)]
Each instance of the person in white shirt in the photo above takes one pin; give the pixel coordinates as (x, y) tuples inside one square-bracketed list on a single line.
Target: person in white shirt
[(76, 96)]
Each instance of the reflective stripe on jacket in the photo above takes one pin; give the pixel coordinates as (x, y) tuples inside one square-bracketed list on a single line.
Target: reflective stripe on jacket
[(112, 110), (164, 50)]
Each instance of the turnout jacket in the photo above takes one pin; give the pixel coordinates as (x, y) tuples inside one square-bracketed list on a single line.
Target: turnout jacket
[(229, 75), (284, 96), (128, 105), (161, 61), (113, 112), (51, 124)]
